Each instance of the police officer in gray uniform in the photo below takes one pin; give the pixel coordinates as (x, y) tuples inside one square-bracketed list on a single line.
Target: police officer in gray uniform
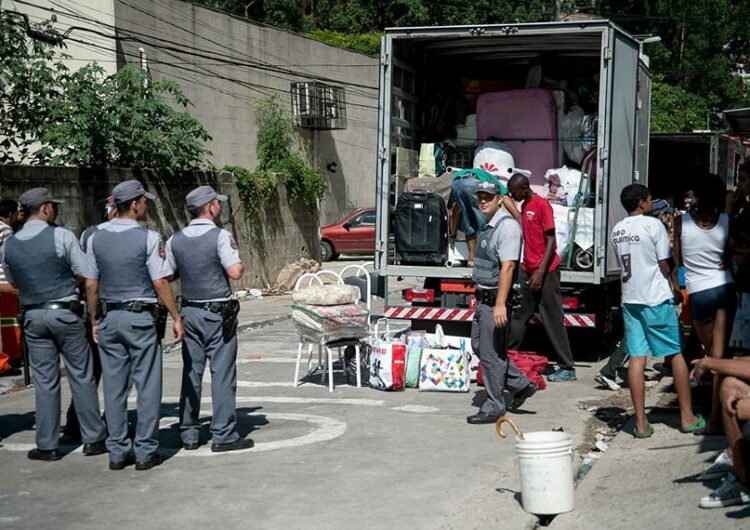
[(498, 250), (45, 262), (205, 258), (72, 428), (128, 263)]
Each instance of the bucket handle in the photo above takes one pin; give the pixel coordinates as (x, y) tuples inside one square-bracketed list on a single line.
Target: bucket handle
[(499, 427)]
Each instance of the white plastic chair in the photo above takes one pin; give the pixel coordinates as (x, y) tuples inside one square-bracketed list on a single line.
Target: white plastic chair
[(322, 344)]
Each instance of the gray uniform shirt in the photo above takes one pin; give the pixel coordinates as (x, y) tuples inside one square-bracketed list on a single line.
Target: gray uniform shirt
[(506, 240), (83, 240), (227, 248), (157, 263), (66, 248)]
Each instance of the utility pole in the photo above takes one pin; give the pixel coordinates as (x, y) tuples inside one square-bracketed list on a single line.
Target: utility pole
[(557, 9), (144, 66)]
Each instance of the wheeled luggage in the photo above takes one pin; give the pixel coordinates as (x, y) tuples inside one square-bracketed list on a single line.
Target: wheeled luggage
[(421, 229)]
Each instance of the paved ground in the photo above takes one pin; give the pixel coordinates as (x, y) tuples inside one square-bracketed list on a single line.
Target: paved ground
[(322, 460), (356, 457), (652, 483)]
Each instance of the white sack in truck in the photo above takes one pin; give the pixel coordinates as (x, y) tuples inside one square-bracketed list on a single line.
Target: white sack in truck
[(564, 217), (562, 228), (497, 158), (585, 231)]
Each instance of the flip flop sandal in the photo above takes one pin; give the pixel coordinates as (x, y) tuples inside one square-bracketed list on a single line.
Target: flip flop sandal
[(709, 430), (645, 434), (699, 424)]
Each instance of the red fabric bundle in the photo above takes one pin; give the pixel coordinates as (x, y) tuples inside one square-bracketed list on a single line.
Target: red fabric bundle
[(531, 364)]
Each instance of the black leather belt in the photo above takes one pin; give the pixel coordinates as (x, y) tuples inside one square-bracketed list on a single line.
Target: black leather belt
[(133, 307), (214, 307), (73, 305), (487, 296)]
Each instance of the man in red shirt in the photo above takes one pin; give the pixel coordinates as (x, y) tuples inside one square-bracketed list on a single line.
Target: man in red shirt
[(10, 329), (540, 278)]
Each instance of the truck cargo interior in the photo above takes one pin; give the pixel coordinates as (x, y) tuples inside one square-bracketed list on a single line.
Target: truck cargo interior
[(537, 95)]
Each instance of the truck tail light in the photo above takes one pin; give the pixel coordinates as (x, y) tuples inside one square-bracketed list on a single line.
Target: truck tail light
[(472, 301), (419, 295), (570, 302)]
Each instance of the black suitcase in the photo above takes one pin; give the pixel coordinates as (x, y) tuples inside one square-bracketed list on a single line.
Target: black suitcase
[(421, 229)]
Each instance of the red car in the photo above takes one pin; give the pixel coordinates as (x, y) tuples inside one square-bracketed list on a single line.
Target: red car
[(355, 234)]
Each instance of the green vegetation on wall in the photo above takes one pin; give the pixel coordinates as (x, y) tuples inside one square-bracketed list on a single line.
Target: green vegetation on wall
[(367, 43), (277, 161)]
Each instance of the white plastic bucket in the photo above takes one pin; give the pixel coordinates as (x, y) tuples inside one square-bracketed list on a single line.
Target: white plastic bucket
[(545, 459)]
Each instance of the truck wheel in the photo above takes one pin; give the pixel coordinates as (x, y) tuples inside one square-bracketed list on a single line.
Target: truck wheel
[(326, 251)]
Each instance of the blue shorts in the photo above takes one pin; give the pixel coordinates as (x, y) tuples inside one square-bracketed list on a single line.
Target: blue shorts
[(704, 304), (651, 329)]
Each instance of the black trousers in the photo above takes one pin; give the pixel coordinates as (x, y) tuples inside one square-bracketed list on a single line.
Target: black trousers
[(616, 361), (548, 302)]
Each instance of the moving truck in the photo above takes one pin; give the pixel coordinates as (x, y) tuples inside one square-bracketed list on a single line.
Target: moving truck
[(448, 90)]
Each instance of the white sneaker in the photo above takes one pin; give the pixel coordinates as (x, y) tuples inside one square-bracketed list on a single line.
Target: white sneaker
[(719, 469), (730, 492), (606, 381)]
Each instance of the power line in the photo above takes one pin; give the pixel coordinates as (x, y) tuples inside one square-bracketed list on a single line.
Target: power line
[(247, 84), (168, 49), (260, 89), (186, 49)]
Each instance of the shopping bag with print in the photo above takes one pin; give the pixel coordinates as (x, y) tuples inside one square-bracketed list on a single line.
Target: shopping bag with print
[(387, 362), (443, 368)]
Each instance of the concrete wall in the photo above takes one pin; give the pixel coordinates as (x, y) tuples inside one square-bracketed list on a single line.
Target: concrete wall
[(282, 235), (195, 45), (98, 15)]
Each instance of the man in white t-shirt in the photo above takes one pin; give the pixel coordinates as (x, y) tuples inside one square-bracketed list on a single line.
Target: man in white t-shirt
[(642, 247)]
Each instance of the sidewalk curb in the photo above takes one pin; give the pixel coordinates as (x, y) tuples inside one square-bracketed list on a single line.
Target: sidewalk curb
[(590, 481), (250, 324)]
